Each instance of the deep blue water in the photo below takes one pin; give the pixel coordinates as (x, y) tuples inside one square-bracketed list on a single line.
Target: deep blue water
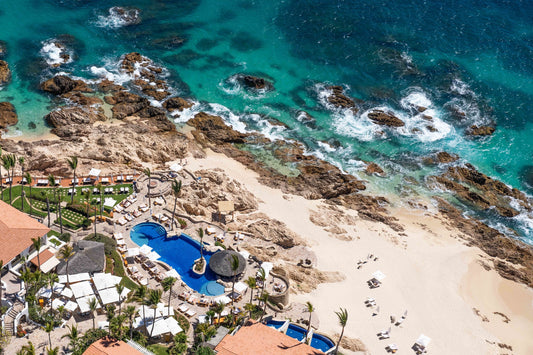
[(470, 56), (179, 252), (318, 341)]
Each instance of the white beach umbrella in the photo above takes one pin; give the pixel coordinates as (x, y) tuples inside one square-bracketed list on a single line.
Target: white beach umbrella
[(378, 275)]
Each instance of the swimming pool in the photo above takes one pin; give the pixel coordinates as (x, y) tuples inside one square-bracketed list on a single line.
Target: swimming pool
[(180, 252), (318, 341)]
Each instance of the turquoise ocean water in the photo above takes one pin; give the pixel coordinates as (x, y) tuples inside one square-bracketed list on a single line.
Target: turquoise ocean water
[(447, 55)]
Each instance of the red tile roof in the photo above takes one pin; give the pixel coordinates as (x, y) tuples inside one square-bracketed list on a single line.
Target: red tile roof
[(44, 256), (16, 231), (108, 346), (259, 339)]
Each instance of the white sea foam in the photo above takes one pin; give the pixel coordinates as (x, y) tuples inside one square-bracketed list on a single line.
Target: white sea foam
[(52, 51), (229, 117), (328, 148), (362, 128), (117, 18), (416, 99), (460, 87)]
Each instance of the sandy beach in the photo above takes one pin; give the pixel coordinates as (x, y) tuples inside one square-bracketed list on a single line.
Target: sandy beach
[(430, 273)]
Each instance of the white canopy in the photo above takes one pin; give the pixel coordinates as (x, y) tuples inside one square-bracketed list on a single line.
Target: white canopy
[(267, 267), (95, 172), (159, 327), (74, 278), (103, 324), (176, 167), (245, 254), (57, 288), (45, 292), (211, 230), (82, 289), (49, 264), (71, 306), (67, 292), (149, 313), (423, 340), (378, 275), (56, 303), (173, 273), (83, 303), (240, 287), (109, 295), (222, 299), (103, 281), (109, 202), (153, 256), (145, 249), (173, 325), (121, 242), (133, 252)]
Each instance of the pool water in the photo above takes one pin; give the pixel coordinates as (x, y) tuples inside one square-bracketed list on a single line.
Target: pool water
[(180, 252), (318, 341)]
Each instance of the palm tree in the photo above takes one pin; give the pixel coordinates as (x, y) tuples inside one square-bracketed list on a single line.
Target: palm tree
[(167, 284), (73, 163), (57, 197), (13, 159), (72, 335), (29, 181), (21, 163), (252, 285), (309, 309), (37, 245), (110, 315), (250, 307), (148, 173), (130, 312), (28, 349), (176, 190), (342, 314), (48, 207), (93, 305), (52, 279), (264, 299), (140, 293), (218, 308), (54, 351), (262, 278), (66, 253), (99, 187), (211, 315), (120, 289), (234, 268), (88, 194), (154, 297), (49, 328), (6, 163)]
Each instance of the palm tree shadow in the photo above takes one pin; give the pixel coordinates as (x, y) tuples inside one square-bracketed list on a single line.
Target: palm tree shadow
[(286, 347)]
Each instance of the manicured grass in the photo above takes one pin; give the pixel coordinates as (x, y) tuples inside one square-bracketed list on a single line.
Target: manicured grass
[(53, 233), (158, 349)]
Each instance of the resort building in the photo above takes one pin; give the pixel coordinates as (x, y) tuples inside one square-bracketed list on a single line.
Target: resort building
[(17, 230), (258, 339), (89, 257)]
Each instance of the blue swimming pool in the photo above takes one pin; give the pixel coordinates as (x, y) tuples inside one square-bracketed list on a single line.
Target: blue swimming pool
[(318, 341), (180, 252)]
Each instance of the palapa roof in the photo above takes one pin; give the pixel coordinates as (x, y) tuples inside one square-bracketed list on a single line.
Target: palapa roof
[(88, 257), (221, 262), (108, 346), (259, 339), (16, 232)]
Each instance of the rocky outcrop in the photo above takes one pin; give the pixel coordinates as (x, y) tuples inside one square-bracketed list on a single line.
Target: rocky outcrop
[(177, 104), (146, 75), (108, 86), (513, 258), (475, 130), (255, 82), (481, 191), (374, 169), (128, 16), (73, 121), (338, 99), (78, 98), (385, 119), (8, 115), (274, 231), (5, 73), (445, 157), (62, 84), (214, 129), (126, 104)]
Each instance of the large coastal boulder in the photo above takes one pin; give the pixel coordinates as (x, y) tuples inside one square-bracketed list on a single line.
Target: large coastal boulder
[(78, 115), (8, 115), (385, 119), (339, 99), (62, 84), (214, 128), (5, 73), (128, 16), (177, 104), (475, 130), (126, 104)]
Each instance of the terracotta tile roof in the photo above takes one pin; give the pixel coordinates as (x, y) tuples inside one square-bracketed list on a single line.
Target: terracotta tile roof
[(107, 346), (45, 255), (259, 339), (16, 231)]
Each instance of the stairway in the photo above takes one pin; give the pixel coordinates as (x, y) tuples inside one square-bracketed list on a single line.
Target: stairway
[(11, 315)]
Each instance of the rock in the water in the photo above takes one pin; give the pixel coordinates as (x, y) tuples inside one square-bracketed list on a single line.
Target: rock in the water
[(83, 100), (127, 16), (254, 82), (5, 73), (177, 104), (215, 129), (385, 119), (339, 99), (445, 157), (3, 49), (61, 84), (475, 130), (108, 86), (374, 169), (8, 115)]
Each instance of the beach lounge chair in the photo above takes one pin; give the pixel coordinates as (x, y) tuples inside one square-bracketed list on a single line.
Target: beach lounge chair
[(183, 308), (137, 213), (144, 282), (119, 178), (393, 348), (190, 313), (203, 302), (384, 334), (122, 221), (192, 299), (129, 217)]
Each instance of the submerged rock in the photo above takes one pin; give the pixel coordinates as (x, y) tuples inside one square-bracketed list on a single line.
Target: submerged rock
[(3, 49), (61, 84), (8, 115), (127, 16), (475, 130), (385, 119), (374, 169), (339, 99), (5, 73)]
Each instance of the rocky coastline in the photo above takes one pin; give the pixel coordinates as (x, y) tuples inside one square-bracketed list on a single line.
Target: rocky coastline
[(138, 133)]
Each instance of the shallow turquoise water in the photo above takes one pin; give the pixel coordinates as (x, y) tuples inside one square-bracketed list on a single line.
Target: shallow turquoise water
[(474, 56)]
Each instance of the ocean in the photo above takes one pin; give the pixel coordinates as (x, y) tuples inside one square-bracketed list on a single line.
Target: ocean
[(474, 57)]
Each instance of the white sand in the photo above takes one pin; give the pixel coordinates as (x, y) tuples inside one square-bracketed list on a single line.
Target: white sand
[(431, 274)]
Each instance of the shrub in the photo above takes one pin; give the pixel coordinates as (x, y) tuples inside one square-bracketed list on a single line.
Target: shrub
[(182, 223), (86, 223), (65, 237), (183, 322), (219, 244)]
